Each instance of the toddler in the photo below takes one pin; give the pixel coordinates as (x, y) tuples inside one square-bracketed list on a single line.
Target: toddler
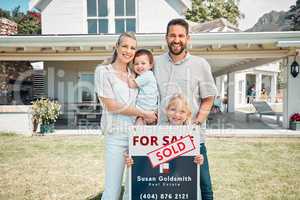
[(145, 81)]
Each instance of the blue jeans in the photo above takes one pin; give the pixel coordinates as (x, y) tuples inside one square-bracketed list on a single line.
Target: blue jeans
[(115, 146), (205, 182)]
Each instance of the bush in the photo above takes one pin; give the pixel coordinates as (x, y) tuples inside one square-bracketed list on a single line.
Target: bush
[(45, 111)]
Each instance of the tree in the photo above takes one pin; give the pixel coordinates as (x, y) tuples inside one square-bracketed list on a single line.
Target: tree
[(28, 24), (207, 10), (293, 15), (4, 14)]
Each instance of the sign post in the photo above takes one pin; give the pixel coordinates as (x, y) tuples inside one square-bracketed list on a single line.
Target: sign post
[(163, 163)]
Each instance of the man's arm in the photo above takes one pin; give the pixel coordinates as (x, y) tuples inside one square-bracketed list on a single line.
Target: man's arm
[(204, 109)]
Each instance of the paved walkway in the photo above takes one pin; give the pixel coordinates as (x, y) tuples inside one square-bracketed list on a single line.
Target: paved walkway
[(219, 125), (237, 120), (247, 133)]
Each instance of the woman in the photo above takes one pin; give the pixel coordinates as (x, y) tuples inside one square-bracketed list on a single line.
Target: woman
[(119, 112)]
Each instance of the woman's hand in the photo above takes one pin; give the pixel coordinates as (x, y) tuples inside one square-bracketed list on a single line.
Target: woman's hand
[(199, 159), (128, 160), (149, 116)]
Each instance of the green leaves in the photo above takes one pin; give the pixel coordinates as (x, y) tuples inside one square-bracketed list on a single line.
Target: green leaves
[(208, 10), (45, 110), (293, 15)]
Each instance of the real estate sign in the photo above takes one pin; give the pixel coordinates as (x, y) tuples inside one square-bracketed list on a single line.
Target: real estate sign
[(163, 163)]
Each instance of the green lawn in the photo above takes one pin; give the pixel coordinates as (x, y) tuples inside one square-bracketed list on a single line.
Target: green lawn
[(71, 167)]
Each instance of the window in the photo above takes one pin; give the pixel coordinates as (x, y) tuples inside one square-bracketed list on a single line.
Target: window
[(100, 21), (125, 16), (97, 12), (86, 87), (91, 8)]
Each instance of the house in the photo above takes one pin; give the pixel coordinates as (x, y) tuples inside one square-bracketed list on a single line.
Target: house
[(107, 16), (264, 76), (72, 81), (78, 35)]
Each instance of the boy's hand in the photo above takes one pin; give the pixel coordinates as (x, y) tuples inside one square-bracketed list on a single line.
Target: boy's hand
[(128, 160), (199, 159)]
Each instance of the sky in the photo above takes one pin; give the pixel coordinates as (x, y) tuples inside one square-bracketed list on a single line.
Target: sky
[(11, 4), (253, 9)]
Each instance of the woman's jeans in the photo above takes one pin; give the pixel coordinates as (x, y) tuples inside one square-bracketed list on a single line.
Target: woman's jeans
[(205, 182), (115, 147)]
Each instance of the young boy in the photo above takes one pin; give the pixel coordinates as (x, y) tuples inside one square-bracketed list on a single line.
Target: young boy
[(145, 81)]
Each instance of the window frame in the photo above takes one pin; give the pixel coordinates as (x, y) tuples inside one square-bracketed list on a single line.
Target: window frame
[(111, 17), (80, 86), (97, 18), (125, 17)]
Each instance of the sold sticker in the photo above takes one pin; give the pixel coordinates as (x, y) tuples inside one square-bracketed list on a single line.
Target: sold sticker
[(171, 151)]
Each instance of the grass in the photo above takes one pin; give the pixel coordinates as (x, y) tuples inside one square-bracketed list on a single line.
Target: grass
[(255, 168), (58, 167)]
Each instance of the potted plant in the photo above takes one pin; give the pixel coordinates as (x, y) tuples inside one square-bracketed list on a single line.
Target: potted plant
[(295, 121), (45, 112)]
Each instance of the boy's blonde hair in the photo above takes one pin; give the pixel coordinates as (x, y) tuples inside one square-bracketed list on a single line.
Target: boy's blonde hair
[(174, 101)]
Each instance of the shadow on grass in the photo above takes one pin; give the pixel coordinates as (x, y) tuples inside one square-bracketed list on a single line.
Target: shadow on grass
[(98, 196), (7, 134)]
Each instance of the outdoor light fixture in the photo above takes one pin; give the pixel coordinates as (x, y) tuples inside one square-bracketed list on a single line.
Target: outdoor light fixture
[(294, 68)]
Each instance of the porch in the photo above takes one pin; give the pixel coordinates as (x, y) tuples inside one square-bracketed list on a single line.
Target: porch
[(70, 61)]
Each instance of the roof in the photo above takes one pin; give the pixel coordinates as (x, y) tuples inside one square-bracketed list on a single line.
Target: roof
[(38, 4), (226, 52), (217, 25)]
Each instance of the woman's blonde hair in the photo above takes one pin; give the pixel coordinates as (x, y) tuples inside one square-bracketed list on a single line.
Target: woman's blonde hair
[(174, 101), (125, 34)]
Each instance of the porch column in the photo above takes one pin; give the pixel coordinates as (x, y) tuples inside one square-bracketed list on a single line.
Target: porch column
[(50, 82), (219, 84), (231, 92), (258, 86), (291, 98), (273, 92), (222, 93)]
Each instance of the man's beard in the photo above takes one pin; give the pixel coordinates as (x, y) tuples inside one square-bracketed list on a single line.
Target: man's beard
[(182, 49)]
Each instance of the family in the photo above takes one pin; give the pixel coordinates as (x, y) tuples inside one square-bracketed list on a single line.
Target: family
[(175, 88)]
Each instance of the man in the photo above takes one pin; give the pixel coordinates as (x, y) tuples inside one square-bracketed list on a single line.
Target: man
[(179, 72)]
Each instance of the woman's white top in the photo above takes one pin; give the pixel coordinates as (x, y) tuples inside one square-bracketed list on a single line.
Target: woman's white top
[(108, 85)]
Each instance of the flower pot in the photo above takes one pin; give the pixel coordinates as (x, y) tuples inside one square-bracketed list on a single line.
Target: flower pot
[(295, 125), (47, 128)]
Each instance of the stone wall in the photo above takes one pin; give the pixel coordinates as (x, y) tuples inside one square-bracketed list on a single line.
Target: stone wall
[(8, 27)]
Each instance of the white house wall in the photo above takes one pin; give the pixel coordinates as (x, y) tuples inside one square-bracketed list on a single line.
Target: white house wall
[(291, 100), (154, 15), (240, 92), (271, 67), (65, 17), (70, 17)]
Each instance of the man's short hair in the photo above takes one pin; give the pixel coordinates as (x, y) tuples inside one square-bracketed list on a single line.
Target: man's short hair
[(180, 22)]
